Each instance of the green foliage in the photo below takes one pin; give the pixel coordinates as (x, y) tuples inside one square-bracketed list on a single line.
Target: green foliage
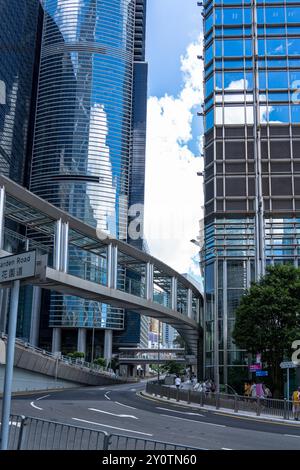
[(268, 318), (173, 367), (76, 355), (100, 361)]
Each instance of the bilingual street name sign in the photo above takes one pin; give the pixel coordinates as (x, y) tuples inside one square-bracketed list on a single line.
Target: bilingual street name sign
[(18, 266)]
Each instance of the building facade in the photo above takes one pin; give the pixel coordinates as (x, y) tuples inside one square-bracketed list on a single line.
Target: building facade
[(83, 142), (252, 160), (20, 36)]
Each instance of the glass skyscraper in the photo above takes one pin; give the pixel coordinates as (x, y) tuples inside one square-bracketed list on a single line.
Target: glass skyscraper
[(252, 160), (89, 141)]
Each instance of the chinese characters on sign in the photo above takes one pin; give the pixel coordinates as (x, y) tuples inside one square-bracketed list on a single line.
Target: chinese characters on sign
[(17, 266)]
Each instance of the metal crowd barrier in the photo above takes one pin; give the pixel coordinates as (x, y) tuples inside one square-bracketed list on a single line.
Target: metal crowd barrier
[(237, 403), (28, 433)]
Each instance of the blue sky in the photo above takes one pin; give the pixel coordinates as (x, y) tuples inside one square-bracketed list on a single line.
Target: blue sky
[(174, 198), (171, 26)]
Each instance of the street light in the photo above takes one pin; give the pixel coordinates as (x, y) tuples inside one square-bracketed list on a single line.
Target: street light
[(216, 322)]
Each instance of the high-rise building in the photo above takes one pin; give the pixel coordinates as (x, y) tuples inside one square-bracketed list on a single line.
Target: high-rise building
[(252, 160), (89, 142), (20, 36)]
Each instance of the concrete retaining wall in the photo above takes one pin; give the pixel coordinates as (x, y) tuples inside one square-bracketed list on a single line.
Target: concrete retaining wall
[(24, 381), (53, 370)]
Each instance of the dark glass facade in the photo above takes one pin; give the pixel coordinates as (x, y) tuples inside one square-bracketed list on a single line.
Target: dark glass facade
[(252, 159), (18, 53)]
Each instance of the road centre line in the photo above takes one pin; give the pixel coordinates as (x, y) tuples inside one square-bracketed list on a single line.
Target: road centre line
[(112, 427), (107, 396), (41, 398), (176, 411)]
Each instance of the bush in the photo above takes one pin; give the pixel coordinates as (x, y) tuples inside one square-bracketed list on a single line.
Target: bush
[(76, 355), (100, 361)]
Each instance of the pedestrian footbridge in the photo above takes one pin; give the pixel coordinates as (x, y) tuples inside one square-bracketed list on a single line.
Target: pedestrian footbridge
[(77, 259)]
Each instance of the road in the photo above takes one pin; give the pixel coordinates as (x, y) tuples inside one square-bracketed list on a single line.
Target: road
[(121, 409)]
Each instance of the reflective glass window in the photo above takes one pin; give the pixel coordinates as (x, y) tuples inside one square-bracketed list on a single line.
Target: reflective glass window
[(294, 46), (273, 96), (276, 46), (275, 15), (209, 53), (219, 84), (209, 119), (232, 16), (294, 79), (279, 114), (208, 23), (262, 80), (209, 86), (277, 79), (293, 15), (295, 113)]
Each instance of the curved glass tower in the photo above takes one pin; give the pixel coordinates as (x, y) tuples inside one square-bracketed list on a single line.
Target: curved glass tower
[(83, 122), (83, 131)]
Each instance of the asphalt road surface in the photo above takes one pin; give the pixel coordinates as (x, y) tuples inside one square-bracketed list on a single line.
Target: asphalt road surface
[(122, 410)]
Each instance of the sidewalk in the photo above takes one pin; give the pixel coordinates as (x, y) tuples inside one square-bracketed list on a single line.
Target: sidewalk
[(224, 411)]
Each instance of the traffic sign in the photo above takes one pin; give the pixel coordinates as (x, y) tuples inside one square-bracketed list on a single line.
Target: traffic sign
[(254, 367), (287, 365), (262, 373), (18, 266)]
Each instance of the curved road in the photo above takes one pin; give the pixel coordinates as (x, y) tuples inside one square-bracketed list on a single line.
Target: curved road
[(122, 410)]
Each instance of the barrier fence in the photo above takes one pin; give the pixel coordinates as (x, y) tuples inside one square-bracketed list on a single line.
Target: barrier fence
[(237, 403), (28, 433)]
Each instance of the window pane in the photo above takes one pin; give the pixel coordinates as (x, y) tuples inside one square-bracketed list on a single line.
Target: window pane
[(294, 46), (279, 114), (276, 47), (293, 15), (277, 79), (209, 53), (209, 119), (275, 15)]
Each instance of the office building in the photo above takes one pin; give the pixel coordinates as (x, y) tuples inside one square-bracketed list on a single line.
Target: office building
[(252, 160)]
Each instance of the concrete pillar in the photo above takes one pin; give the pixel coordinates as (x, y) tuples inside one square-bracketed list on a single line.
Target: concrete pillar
[(108, 337), (56, 340), (112, 266), (149, 281), (35, 316), (64, 247), (189, 303), (81, 340), (174, 294)]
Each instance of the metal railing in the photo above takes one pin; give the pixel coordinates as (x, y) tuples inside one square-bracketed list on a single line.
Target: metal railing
[(237, 403), (77, 362), (28, 433)]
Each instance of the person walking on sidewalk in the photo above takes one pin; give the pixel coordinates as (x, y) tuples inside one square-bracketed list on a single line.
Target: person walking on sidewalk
[(177, 382), (296, 404)]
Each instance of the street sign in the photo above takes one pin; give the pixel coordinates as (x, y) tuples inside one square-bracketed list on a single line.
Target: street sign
[(18, 266), (262, 373), (287, 365), (254, 367)]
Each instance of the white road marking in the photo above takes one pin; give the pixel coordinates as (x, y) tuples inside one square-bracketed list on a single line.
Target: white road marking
[(292, 435), (133, 389), (34, 406), (13, 423), (195, 421), (175, 411), (112, 427), (127, 406), (106, 395), (225, 448), (113, 414), (41, 398)]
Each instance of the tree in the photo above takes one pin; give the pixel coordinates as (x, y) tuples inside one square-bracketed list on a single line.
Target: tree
[(268, 319), (179, 341), (173, 367)]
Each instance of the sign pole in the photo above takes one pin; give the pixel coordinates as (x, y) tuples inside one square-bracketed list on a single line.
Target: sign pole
[(10, 353), (288, 383)]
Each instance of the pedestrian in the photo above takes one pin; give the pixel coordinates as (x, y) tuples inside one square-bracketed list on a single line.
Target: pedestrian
[(212, 386), (267, 392), (253, 390), (296, 404), (207, 387), (177, 381), (247, 389)]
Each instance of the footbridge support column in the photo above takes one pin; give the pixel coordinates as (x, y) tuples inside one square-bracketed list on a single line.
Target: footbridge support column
[(108, 339)]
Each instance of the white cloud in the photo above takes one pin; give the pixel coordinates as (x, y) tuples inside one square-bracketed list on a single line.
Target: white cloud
[(173, 190)]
